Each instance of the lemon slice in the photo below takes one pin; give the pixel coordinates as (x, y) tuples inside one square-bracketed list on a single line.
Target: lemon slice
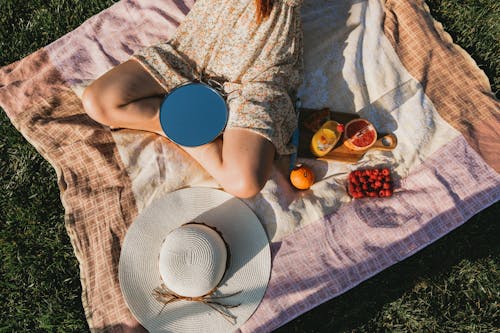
[(325, 139)]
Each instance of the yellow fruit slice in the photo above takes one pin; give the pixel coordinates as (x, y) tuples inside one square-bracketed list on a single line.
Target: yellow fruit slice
[(325, 139)]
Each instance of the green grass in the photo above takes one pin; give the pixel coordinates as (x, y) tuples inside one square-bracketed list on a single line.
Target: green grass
[(450, 286), (475, 26)]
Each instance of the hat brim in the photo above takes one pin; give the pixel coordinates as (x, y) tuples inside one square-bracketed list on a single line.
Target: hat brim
[(249, 269)]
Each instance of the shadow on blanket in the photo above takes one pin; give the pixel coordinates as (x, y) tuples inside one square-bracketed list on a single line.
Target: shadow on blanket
[(470, 244)]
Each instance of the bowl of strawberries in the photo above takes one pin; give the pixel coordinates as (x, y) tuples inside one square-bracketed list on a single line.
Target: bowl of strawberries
[(370, 183)]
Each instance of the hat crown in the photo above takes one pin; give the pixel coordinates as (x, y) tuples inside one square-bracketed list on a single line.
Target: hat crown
[(192, 260)]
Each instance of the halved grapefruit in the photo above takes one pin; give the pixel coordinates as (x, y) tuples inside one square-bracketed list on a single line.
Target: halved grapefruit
[(359, 134)]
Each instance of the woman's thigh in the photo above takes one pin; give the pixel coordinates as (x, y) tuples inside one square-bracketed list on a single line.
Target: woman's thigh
[(125, 83), (126, 96), (249, 153)]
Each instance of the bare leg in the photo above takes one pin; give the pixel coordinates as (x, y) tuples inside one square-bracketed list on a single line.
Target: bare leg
[(241, 163), (127, 96)]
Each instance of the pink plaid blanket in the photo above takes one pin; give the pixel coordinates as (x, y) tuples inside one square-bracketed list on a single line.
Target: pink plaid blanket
[(388, 61)]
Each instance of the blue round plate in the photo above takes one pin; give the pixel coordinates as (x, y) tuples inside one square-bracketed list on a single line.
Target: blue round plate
[(193, 114)]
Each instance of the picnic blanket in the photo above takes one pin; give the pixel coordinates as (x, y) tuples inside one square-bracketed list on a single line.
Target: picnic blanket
[(387, 61)]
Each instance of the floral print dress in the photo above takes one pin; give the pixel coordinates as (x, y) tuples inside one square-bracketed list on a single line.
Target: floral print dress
[(259, 65)]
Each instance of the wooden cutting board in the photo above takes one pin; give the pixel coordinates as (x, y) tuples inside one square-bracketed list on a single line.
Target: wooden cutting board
[(311, 120)]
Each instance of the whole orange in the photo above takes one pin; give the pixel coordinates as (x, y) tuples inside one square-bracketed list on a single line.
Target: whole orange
[(302, 177)]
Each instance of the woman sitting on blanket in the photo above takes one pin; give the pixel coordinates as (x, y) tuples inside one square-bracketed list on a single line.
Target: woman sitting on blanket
[(254, 48)]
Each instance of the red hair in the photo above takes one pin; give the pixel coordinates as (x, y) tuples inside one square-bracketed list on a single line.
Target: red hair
[(263, 9)]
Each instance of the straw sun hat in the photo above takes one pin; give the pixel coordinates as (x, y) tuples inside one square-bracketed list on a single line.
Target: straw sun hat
[(195, 260)]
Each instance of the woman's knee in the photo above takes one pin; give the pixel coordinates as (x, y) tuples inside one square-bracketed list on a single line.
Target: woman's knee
[(94, 106), (246, 185), (248, 161)]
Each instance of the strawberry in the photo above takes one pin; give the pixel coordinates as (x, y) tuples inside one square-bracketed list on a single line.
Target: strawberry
[(370, 183), (357, 195), (340, 128)]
